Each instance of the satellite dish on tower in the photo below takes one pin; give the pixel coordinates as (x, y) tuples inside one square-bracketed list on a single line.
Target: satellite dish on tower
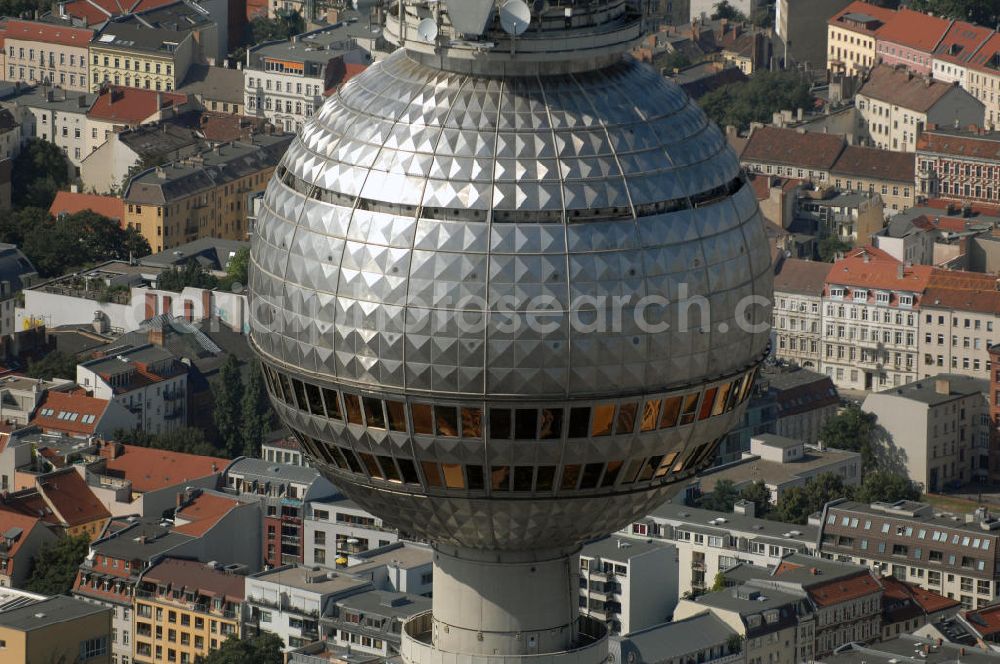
[(428, 30), (514, 17)]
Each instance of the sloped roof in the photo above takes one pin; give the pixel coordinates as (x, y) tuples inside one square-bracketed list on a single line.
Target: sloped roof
[(71, 498), (194, 575), (48, 33), (979, 301), (70, 202), (961, 42), (789, 146), (915, 30), (799, 276), (960, 144), (149, 469), (865, 162), (69, 413), (131, 105), (17, 527), (862, 17), (900, 87), (203, 512)]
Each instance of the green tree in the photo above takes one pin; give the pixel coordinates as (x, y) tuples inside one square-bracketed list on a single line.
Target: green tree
[(237, 270), (227, 414), (187, 439), (40, 170), (192, 274), (56, 564), (257, 413), (852, 429), (264, 648), (719, 582), (56, 364), (756, 99), (725, 10), (675, 60), (883, 486), (983, 12), (758, 494), (797, 503), (830, 246), (722, 497), (284, 26)]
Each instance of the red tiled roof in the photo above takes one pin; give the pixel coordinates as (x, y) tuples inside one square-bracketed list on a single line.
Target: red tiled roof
[(982, 60), (98, 11), (62, 402), (789, 146), (843, 590), (203, 512), (980, 301), (930, 602), (10, 520), (762, 184), (873, 252), (71, 498), (960, 145), (977, 208), (902, 88), (149, 469), (48, 33), (986, 620), (873, 163), (961, 42), (69, 202), (879, 14), (962, 280), (799, 276), (915, 30), (880, 274), (131, 105), (194, 575)]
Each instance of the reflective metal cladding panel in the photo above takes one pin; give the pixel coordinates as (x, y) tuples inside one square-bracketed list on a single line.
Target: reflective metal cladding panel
[(437, 233)]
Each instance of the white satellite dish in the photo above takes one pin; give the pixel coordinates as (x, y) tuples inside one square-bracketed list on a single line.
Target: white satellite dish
[(514, 17), (428, 29)]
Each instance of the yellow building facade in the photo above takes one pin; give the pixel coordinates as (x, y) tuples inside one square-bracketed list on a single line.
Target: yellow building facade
[(182, 610), (57, 629), (203, 196), (149, 58)]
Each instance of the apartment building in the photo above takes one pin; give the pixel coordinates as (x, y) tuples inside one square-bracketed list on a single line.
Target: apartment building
[(133, 55), (204, 195), (54, 629), (768, 621), (289, 600), (150, 381), (888, 174), (337, 526), (403, 567), (286, 81), (849, 215), (21, 537), (792, 153), (55, 115), (46, 54), (702, 638), (118, 109), (628, 584), (954, 556), (870, 321), (797, 311), (957, 328), (709, 542), (937, 428), (803, 400), (983, 79), (958, 164), (371, 622), (895, 105), (285, 449), (907, 607), (909, 40), (951, 57), (851, 38), (282, 492), (183, 609)]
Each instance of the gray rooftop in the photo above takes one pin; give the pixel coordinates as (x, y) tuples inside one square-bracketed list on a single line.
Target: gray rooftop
[(386, 604), (753, 468), (46, 612), (673, 640), (921, 513), (748, 601), (162, 138), (790, 378), (207, 170), (774, 440), (926, 389), (174, 17), (405, 555), (902, 650), (268, 471), (310, 579), (620, 548), (143, 540), (131, 35), (699, 520), (211, 253), (53, 99), (214, 83), (310, 48)]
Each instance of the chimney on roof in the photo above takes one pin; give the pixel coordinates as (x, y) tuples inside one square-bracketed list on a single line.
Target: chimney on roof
[(159, 100), (156, 336), (866, 257), (942, 386), (899, 271), (814, 571)]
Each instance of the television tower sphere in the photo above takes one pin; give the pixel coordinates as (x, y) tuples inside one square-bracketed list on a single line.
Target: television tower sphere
[(509, 287)]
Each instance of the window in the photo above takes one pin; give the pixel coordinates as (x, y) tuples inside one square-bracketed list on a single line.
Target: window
[(92, 648)]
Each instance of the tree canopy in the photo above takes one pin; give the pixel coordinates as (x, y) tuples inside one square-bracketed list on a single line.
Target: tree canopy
[(190, 440), (831, 246), (55, 364), (191, 274), (756, 99), (797, 503), (264, 648), (228, 393), (284, 26), (983, 12), (257, 415), (852, 429), (884, 486), (722, 498), (725, 10), (56, 564), (40, 170)]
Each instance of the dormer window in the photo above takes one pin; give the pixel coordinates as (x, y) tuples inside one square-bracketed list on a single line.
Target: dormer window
[(882, 297), (837, 292), (860, 294), (906, 300)]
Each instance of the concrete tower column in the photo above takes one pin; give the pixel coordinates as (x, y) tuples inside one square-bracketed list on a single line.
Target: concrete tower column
[(503, 602)]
